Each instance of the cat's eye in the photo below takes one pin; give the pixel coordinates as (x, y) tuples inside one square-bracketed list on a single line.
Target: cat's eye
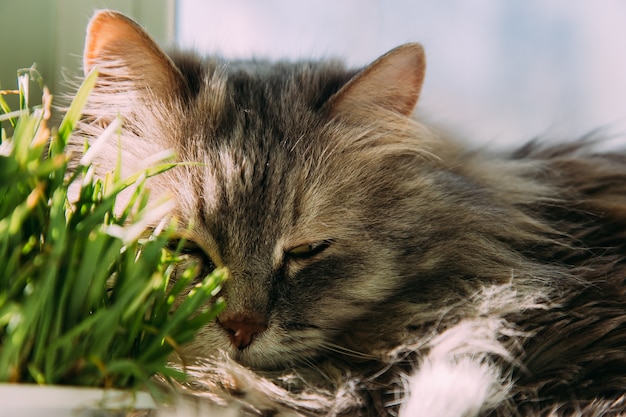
[(308, 250), (193, 250), (184, 247)]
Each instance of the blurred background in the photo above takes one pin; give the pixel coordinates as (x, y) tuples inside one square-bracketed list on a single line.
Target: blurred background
[(499, 72)]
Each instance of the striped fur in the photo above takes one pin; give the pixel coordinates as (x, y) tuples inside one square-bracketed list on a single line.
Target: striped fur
[(443, 281)]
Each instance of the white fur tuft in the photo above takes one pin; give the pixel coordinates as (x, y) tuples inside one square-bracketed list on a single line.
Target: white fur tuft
[(458, 377), (446, 388)]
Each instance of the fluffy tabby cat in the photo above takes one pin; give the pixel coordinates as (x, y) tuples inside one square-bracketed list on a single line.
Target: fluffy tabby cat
[(375, 267)]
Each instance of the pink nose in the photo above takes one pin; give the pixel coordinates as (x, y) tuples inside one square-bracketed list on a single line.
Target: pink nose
[(243, 329)]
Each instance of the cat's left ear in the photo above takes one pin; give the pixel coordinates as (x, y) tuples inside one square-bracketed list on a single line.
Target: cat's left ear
[(129, 61), (394, 82)]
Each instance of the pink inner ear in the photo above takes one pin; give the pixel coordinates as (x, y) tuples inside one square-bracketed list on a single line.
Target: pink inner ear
[(124, 51), (105, 29), (409, 76), (393, 81)]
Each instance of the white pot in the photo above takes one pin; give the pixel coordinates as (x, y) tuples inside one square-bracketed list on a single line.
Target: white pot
[(27, 400)]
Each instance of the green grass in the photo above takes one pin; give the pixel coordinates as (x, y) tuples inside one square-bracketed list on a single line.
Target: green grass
[(86, 290)]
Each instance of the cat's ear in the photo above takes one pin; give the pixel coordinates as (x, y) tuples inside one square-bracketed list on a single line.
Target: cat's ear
[(128, 59), (393, 82)]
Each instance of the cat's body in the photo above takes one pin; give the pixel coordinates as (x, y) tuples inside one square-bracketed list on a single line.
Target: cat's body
[(363, 249)]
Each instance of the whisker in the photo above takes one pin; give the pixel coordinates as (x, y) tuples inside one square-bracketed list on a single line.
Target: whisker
[(333, 347), (312, 365)]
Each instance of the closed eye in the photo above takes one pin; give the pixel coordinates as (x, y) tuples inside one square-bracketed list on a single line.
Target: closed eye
[(192, 250), (308, 250), (184, 247)]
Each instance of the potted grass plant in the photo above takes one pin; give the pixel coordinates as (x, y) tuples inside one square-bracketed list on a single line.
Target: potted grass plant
[(89, 312)]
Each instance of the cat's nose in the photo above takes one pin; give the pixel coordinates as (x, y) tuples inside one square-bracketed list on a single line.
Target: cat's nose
[(243, 329)]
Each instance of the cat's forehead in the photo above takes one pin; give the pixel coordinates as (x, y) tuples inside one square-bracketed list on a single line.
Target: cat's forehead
[(255, 102), (246, 108), (277, 93)]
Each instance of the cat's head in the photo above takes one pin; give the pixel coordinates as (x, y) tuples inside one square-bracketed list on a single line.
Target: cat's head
[(314, 188)]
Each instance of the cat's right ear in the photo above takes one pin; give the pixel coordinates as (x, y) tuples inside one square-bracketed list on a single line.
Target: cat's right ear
[(129, 61), (392, 82)]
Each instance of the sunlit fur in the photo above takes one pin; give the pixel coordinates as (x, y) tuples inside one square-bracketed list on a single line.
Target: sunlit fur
[(456, 282)]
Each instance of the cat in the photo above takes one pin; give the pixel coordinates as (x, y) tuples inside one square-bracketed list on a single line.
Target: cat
[(376, 266)]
